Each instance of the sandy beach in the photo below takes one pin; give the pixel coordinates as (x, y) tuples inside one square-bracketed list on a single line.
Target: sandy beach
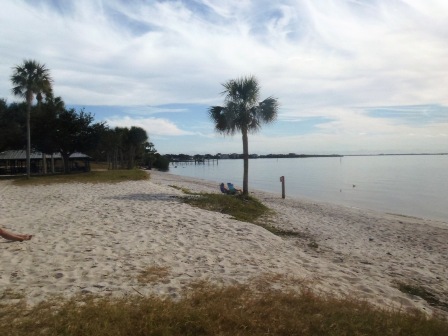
[(98, 238)]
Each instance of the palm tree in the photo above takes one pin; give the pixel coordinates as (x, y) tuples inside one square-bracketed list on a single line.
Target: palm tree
[(243, 112), (30, 79), (135, 140)]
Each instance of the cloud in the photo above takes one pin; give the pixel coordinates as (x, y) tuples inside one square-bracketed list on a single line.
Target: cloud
[(153, 126), (333, 60), (353, 52)]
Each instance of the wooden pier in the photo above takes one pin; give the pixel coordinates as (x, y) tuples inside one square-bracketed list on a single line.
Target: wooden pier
[(196, 161)]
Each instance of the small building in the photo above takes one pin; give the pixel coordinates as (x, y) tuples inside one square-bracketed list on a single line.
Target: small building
[(13, 162)]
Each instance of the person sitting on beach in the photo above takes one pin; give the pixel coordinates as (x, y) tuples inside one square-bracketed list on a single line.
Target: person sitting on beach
[(14, 236), (224, 190), (232, 189)]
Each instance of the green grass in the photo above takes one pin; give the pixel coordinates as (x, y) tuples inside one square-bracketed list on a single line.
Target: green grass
[(107, 176), (207, 309), (184, 190), (240, 207)]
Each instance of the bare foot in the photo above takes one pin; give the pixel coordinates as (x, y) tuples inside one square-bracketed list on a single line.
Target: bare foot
[(13, 236)]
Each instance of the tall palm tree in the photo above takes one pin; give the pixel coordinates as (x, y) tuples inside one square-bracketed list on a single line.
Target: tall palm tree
[(30, 79), (135, 140), (243, 112)]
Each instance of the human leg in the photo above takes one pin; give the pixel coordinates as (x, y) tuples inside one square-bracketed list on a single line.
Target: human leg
[(14, 236)]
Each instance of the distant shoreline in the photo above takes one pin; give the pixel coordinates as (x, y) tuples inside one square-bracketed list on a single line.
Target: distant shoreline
[(296, 156)]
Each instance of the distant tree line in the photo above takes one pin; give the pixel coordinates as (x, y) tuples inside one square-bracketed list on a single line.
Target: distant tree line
[(57, 129), (49, 127)]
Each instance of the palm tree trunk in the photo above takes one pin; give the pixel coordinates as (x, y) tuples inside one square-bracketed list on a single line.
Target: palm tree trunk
[(66, 162), (29, 98), (246, 162), (44, 163), (52, 163)]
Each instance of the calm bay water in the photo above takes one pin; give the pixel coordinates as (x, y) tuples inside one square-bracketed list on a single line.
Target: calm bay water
[(414, 185)]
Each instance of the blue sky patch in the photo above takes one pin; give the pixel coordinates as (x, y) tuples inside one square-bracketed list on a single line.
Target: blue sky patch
[(415, 115)]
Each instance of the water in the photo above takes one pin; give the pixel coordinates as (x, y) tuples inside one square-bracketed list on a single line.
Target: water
[(414, 185)]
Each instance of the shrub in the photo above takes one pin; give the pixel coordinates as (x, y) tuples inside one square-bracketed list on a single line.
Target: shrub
[(161, 162)]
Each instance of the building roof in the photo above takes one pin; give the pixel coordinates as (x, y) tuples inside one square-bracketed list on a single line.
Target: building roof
[(21, 155)]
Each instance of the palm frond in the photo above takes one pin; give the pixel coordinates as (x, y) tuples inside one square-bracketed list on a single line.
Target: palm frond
[(268, 110), (217, 115), (242, 90), (242, 110), (31, 78)]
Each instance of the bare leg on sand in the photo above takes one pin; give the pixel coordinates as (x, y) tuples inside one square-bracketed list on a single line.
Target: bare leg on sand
[(14, 236)]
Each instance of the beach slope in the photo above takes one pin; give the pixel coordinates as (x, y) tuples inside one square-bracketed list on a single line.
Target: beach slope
[(100, 238)]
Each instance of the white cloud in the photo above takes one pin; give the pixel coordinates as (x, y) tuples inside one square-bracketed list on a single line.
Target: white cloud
[(320, 58), (153, 126), (147, 110), (379, 52)]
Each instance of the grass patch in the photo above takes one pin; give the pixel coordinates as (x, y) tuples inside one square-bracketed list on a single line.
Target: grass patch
[(9, 294), (184, 190), (206, 309), (267, 224), (108, 176), (240, 207), (279, 232), (153, 274), (422, 293)]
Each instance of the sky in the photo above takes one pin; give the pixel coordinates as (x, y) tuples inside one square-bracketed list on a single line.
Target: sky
[(351, 76)]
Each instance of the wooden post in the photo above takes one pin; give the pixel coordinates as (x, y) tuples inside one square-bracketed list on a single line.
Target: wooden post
[(282, 180)]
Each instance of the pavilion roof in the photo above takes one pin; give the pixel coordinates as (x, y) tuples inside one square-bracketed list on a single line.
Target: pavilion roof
[(21, 155)]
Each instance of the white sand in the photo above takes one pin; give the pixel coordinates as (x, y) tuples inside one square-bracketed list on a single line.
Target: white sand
[(97, 238)]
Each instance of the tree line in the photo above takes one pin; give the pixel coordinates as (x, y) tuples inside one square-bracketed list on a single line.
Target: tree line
[(50, 127)]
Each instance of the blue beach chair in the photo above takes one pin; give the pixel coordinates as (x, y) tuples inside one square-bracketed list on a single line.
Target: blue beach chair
[(232, 189)]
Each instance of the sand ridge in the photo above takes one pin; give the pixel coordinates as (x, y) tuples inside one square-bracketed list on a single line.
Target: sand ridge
[(97, 238)]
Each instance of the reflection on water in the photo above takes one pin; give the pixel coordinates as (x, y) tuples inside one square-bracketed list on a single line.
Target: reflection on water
[(410, 185)]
